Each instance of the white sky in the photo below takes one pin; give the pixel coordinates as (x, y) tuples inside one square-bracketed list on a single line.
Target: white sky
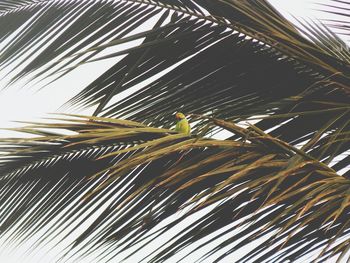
[(27, 104)]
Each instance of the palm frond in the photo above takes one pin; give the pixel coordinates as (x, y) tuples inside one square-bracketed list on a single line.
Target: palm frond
[(146, 175), (238, 61), (322, 36), (194, 59), (341, 10), (191, 27), (229, 84), (10, 5)]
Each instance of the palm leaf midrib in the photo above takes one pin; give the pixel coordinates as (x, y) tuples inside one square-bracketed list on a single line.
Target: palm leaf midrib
[(50, 160)]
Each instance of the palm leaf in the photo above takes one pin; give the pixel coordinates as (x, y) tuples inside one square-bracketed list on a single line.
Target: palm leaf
[(238, 61), (244, 177), (200, 60), (341, 11)]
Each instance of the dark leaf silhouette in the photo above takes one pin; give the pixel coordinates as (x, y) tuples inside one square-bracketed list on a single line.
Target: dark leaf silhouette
[(279, 93)]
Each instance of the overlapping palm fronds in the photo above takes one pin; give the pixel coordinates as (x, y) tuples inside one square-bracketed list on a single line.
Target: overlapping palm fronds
[(260, 184), (220, 62)]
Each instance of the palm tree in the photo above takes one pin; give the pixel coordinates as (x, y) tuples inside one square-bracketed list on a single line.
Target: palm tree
[(282, 179)]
